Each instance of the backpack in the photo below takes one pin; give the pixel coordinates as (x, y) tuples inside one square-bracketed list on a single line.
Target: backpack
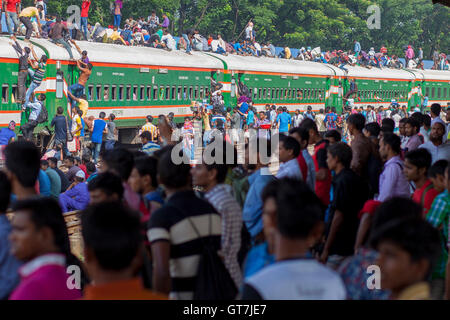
[(213, 279), (43, 115)]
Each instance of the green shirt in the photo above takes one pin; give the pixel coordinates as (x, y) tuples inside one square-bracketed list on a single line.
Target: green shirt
[(438, 216), (55, 183)]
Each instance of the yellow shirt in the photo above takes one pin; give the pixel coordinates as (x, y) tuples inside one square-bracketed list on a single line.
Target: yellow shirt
[(115, 36), (84, 106), (150, 128), (206, 122), (77, 125), (29, 12)]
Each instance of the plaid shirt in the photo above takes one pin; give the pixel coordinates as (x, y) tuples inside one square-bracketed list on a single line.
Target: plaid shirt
[(221, 199), (438, 216)]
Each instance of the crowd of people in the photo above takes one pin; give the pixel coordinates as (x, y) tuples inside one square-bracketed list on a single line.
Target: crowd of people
[(351, 191), (151, 32)]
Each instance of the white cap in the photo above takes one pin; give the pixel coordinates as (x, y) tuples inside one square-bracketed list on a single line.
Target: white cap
[(80, 174)]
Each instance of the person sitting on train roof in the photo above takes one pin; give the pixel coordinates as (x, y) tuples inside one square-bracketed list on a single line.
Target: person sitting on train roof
[(56, 34), (116, 38), (77, 89)]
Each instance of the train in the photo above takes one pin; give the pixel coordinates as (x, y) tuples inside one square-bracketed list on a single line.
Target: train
[(133, 82)]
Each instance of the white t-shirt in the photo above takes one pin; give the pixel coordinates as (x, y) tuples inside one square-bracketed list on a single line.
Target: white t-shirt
[(396, 117), (248, 32), (171, 44), (299, 279), (257, 46), (319, 122), (214, 45)]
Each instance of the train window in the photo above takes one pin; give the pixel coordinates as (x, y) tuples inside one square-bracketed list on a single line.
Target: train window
[(167, 93), (98, 93), (445, 93), (155, 93), (202, 92), (191, 91), (255, 93), (439, 92), (427, 91), (114, 93), (260, 94), (5, 93), (161, 93), (206, 91), (179, 93), (432, 91), (273, 93), (149, 93), (106, 93), (174, 93), (142, 93), (264, 93), (185, 93), (128, 92), (135, 93), (90, 92), (196, 93), (120, 92)]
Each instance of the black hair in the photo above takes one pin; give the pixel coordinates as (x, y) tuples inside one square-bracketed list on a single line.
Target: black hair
[(289, 143), (436, 108), (107, 182), (308, 124), (119, 160), (357, 120), (413, 123), (342, 151), (417, 116), (112, 232), (150, 119), (42, 8), (333, 109), (420, 158), (221, 154), (373, 128), (46, 212), (426, 120), (102, 115), (333, 134), (147, 166), (53, 160), (388, 122), (146, 135), (302, 132), (90, 167), (386, 129), (60, 110), (5, 192), (403, 120), (395, 208), (23, 160), (112, 116), (291, 194), (438, 168), (413, 235), (173, 175), (393, 141), (70, 158), (44, 163)]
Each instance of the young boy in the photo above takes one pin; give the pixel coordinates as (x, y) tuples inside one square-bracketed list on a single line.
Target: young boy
[(438, 217), (350, 193), (295, 275), (417, 163), (407, 251)]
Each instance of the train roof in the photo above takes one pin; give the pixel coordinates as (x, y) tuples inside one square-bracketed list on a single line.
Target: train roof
[(272, 65), (7, 51), (432, 74)]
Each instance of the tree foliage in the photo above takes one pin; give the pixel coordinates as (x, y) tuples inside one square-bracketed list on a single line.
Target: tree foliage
[(326, 23)]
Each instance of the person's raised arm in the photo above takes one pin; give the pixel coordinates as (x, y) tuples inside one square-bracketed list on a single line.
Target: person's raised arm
[(79, 63), (73, 97), (33, 52), (76, 46)]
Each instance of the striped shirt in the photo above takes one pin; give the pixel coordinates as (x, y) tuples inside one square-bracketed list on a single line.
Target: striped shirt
[(172, 223), (150, 127), (150, 147), (221, 199), (39, 73), (438, 217)]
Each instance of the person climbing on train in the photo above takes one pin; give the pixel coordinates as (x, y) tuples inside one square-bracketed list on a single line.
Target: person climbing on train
[(84, 54), (36, 108), (37, 72), (25, 17), (23, 68), (77, 89)]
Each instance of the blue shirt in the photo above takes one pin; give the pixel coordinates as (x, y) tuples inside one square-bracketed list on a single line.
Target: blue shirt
[(6, 134), (82, 128), (79, 193), (284, 119), (244, 107), (154, 196), (35, 107), (253, 205), (97, 132), (237, 46), (250, 117), (9, 265), (44, 184)]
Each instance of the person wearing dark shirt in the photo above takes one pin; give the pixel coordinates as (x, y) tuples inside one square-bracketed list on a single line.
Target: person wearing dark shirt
[(56, 34), (60, 124), (53, 163), (23, 69), (349, 195)]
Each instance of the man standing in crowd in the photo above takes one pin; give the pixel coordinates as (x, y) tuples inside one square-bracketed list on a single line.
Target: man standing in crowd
[(148, 146), (61, 127), (412, 128), (417, 163), (349, 195), (112, 131), (294, 233), (304, 159), (150, 127), (393, 182), (289, 150), (177, 231), (320, 122), (98, 129), (438, 149)]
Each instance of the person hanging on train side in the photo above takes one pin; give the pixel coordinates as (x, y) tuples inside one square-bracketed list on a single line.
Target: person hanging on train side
[(23, 55), (36, 72), (34, 119), (78, 89)]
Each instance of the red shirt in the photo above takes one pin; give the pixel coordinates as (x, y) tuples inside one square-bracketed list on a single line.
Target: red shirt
[(322, 186), (303, 166), (428, 198), (11, 5), (85, 8)]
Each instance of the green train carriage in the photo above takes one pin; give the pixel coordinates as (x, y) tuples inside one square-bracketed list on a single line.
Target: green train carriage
[(132, 82)]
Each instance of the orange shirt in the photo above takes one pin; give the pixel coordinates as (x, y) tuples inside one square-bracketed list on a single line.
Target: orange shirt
[(131, 289)]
